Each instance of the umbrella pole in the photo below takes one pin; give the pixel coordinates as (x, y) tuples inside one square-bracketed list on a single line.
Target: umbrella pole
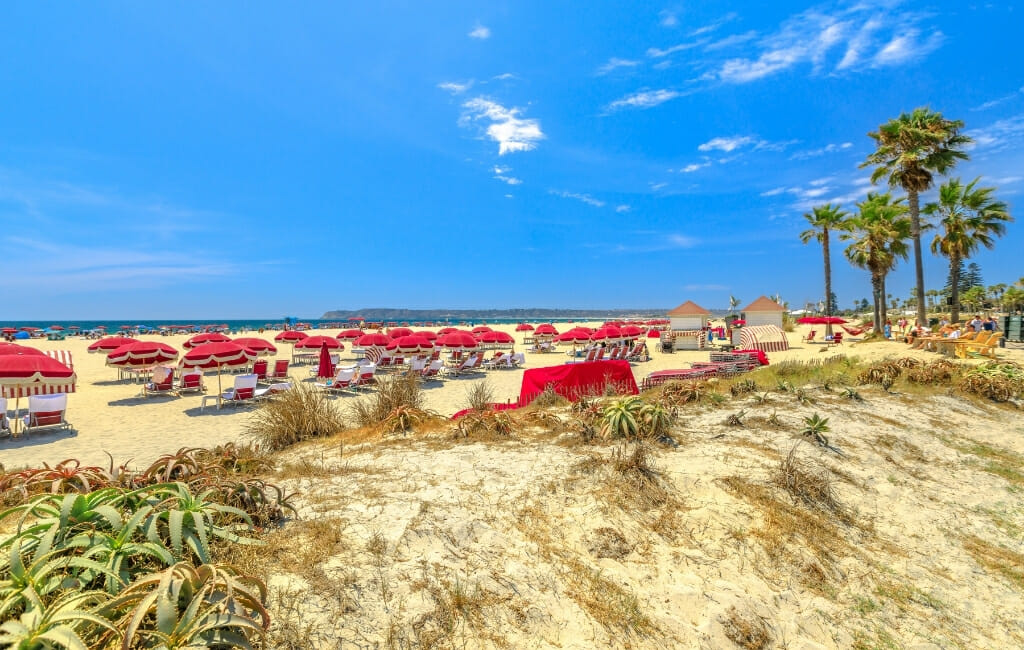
[(220, 393)]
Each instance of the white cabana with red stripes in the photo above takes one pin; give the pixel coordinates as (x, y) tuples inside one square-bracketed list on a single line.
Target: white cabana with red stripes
[(767, 338)]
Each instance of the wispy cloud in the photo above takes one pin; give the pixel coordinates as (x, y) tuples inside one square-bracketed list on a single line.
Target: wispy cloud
[(692, 167), (656, 53), (502, 174), (821, 151), (512, 132), (999, 100), (672, 241), (615, 63), (644, 99), (711, 27), (480, 32), (867, 35), (622, 208), (1000, 134), (455, 87), (585, 198), (668, 19), (735, 142), (730, 41)]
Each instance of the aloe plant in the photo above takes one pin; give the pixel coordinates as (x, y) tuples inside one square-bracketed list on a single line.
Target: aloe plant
[(58, 625), (619, 418)]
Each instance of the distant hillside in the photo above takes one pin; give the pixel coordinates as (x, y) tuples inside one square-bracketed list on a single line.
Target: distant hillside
[(530, 313)]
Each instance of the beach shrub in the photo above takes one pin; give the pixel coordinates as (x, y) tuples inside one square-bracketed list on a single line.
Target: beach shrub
[(479, 396), (392, 393), (487, 422), (808, 483), (302, 413), (743, 387), (815, 427), (548, 398), (936, 372), (619, 419), (655, 420), (404, 418), (997, 381), (884, 372), (684, 392)]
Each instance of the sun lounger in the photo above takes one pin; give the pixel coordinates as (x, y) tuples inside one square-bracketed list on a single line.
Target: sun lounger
[(466, 365), (271, 390), (46, 411), (280, 370), (500, 360), (983, 345), (191, 382), (341, 380), (5, 426), (163, 382), (810, 337), (433, 371), (259, 368), (242, 392), (365, 376)]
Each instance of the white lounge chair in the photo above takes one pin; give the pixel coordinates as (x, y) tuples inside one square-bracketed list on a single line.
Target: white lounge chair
[(5, 427), (273, 389), (46, 411), (341, 380), (365, 376), (243, 391)]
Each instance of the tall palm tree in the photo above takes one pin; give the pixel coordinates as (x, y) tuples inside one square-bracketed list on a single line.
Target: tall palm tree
[(878, 236), (824, 219), (932, 295), (968, 217), (910, 150)]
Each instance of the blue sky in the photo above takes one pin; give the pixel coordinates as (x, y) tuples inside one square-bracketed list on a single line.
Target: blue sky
[(232, 160)]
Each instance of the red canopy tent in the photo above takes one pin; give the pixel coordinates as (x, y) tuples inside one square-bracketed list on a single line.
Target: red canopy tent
[(576, 380)]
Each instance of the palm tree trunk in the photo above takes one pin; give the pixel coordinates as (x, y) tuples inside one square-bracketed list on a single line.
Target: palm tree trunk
[(876, 291), (954, 291), (885, 314), (914, 205), (828, 281)]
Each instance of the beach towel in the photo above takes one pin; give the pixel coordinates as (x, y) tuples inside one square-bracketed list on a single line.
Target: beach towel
[(577, 380)]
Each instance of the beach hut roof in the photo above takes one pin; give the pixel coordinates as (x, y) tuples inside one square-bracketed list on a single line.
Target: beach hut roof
[(764, 304), (689, 308)]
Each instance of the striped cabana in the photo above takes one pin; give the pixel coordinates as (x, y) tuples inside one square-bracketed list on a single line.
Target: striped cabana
[(767, 338)]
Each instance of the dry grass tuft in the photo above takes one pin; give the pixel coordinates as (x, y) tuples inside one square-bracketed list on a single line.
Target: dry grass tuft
[(809, 483), (1007, 563), (614, 606), (302, 413), (747, 630), (606, 542), (479, 396), (549, 398), (392, 393)]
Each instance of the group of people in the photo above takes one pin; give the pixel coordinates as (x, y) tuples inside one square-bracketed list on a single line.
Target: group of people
[(947, 329)]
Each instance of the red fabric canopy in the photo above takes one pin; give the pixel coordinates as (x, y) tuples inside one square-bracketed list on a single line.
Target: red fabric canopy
[(576, 380), (447, 330), (215, 355), (34, 374), (325, 369), (261, 347), (457, 340), (573, 336), (371, 340), (14, 348), (524, 327), (201, 339), (547, 329), (654, 334), (110, 343), (496, 337), (291, 336), (480, 329), (315, 342), (396, 332), (410, 345), (350, 334), (141, 354), (427, 334)]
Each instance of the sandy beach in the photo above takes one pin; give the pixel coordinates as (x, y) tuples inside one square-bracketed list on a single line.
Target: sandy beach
[(111, 416)]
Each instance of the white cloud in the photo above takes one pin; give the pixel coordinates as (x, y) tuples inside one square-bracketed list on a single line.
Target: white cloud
[(867, 34), (508, 196), (585, 198), (730, 41), (907, 46), (511, 132), (999, 100), (818, 182), (656, 53), (692, 167), (707, 29), (658, 186), (774, 192), (511, 180), (814, 153), (644, 99), (668, 19), (1000, 134), (454, 87), (503, 76), (480, 32), (498, 169), (726, 144), (615, 63), (622, 208)]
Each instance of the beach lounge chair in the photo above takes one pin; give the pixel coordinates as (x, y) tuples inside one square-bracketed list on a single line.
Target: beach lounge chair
[(5, 426), (499, 360), (467, 364), (364, 376), (243, 391), (341, 380), (163, 382), (271, 390), (810, 337), (259, 368), (46, 411), (280, 370), (433, 371), (837, 339), (984, 345), (191, 382)]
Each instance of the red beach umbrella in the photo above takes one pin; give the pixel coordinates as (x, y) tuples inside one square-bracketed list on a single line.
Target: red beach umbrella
[(397, 332), (457, 341), (34, 374), (573, 336), (524, 327), (325, 369), (8, 330), (410, 345), (291, 336), (654, 334), (14, 348), (447, 330), (631, 331), (217, 355), (56, 328), (110, 343), (547, 329), (606, 333), (140, 354), (201, 339), (350, 334), (372, 340), (496, 337), (480, 329), (261, 347), (427, 334), (315, 342), (613, 323)]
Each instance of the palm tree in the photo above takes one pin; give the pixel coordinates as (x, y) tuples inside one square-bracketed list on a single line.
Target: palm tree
[(968, 217), (878, 236), (997, 291), (910, 149), (734, 302), (932, 295), (823, 219)]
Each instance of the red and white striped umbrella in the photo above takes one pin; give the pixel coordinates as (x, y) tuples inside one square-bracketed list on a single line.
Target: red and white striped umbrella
[(262, 347), (410, 345), (496, 337), (218, 355), (141, 354), (349, 334), (524, 327), (316, 342), (110, 343), (547, 329), (203, 339), (480, 329), (427, 334), (24, 374), (291, 336), (396, 332), (14, 348)]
